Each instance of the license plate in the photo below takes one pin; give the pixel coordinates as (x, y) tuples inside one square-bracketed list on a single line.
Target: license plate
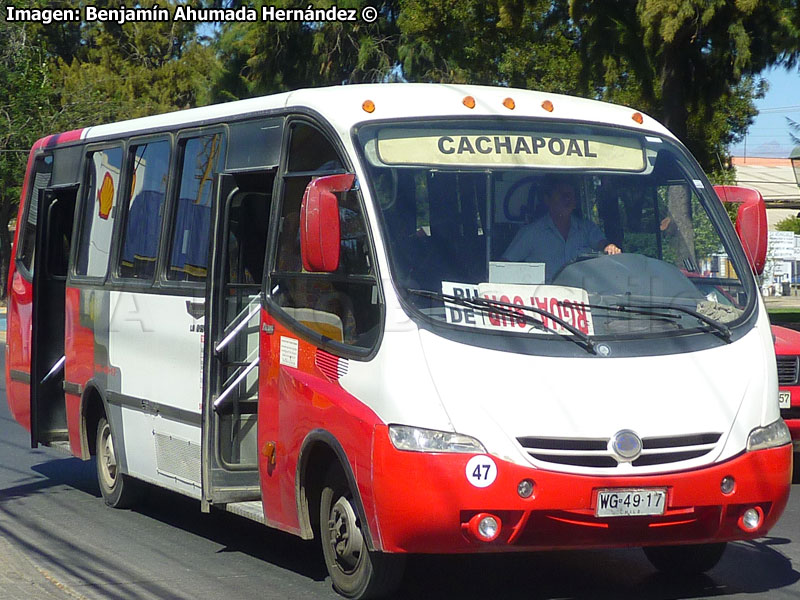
[(785, 399), (628, 503)]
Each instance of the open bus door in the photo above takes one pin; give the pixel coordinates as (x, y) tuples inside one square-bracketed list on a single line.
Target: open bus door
[(53, 241), (233, 301)]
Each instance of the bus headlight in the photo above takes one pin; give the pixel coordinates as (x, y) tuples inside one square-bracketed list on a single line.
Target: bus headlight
[(417, 439), (773, 435)]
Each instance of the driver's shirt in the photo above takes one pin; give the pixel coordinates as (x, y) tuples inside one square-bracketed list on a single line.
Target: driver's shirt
[(541, 242)]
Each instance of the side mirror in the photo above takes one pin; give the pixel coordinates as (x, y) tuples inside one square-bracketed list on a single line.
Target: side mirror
[(751, 222), (319, 222)]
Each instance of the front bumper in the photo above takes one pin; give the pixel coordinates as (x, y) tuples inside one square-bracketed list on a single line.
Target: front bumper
[(424, 501)]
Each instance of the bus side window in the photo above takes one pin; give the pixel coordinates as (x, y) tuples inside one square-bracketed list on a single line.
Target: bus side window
[(340, 306), (59, 233), (188, 255), (43, 169), (248, 224), (150, 169), (99, 210)]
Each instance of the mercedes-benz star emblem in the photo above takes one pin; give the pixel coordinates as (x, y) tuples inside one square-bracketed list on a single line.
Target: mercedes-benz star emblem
[(626, 444)]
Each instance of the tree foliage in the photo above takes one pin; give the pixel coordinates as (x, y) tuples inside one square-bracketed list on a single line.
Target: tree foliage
[(693, 61), (520, 43), (789, 224), (794, 127), (25, 111), (266, 57), (124, 71)]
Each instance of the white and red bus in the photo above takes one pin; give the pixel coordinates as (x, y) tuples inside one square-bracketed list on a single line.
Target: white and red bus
[(354, 314)]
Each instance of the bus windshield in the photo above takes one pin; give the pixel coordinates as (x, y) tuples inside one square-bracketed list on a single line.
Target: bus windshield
[(533, 228)]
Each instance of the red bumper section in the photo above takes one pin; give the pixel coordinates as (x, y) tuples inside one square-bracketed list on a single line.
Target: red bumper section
[(794, 429), (425, 504)]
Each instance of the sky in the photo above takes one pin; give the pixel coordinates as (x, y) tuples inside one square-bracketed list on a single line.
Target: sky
[(768, 136)]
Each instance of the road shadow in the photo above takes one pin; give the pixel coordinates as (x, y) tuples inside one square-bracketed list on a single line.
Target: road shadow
[(752, 568), (234, 533), (74, 472), (595, 575)]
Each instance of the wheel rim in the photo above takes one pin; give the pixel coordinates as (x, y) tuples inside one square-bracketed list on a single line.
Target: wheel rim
[(346, 539), (106, 458)]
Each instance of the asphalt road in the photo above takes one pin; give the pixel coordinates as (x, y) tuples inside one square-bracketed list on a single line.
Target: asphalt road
[(53, 519)]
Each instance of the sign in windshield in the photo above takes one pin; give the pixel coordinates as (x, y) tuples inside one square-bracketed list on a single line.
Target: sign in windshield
[(567, 303), (445, 147)]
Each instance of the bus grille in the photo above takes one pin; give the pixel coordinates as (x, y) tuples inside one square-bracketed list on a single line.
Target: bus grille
[(596, 453), (787, 370)]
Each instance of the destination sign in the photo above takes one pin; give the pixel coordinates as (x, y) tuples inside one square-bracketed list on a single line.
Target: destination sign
[(448, 147)]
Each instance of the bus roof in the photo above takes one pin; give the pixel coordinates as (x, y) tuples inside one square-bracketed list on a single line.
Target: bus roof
[(342, 107)]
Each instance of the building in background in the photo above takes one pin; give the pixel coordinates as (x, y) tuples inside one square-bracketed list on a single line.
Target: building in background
[(775, 179)]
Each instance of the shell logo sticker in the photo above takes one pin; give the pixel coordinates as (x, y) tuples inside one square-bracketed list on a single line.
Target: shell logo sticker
[(105, 196), (481, 471)]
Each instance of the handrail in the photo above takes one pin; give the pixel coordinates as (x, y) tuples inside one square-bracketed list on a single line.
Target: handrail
[(250, 358), (232, 330), (55, 368), (218, 403)]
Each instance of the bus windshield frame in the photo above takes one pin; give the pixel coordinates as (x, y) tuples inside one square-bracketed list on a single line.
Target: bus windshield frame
[(506, 170)]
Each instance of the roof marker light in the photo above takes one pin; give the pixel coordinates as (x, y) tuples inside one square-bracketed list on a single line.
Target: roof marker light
[(468, 101), (637, 116), (509, 103), (547, 105), (368, 106)]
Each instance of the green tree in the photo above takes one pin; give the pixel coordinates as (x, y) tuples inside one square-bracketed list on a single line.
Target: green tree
[(520, 43), (69, 75), (691, 59), (136, 69), (789, 224), (794, 127), (267, 57), (25, 112)]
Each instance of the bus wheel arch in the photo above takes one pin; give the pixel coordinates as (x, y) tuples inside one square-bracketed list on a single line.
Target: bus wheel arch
[(329, 502), (93, 408), (118, 489), (320, 452)]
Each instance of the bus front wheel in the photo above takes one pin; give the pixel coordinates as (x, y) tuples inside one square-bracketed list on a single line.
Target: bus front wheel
[(118, 490), (355, 571), (685, 560)]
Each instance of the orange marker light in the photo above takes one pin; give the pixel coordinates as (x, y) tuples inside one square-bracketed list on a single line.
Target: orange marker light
[(547, 105), (468, 101), (509, 103), (368, 106), (637, 116)]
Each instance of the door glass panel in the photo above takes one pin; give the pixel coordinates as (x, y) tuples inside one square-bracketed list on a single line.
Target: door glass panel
[(189, 253), (148, 190), (99, 211), (41, 179)]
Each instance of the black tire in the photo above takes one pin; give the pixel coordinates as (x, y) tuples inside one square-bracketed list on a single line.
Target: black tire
[(355, 571), (118, 490), (685, 560)]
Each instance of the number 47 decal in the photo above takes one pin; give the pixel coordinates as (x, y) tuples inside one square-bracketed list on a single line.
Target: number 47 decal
[(481, 471)]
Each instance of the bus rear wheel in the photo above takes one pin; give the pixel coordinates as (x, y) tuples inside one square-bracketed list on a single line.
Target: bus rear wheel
[(118, 490), (685, 560), (355, 571)]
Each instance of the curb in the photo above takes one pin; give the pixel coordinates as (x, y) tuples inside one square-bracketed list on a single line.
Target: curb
[(21, 579)]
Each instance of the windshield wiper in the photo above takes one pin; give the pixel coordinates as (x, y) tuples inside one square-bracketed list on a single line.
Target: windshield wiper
[(723, 331), (508, 309)]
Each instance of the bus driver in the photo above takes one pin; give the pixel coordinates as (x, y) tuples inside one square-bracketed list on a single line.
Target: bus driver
[(558, 237)]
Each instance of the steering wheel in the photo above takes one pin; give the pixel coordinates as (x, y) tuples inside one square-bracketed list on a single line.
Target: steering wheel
[(528, 179)]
